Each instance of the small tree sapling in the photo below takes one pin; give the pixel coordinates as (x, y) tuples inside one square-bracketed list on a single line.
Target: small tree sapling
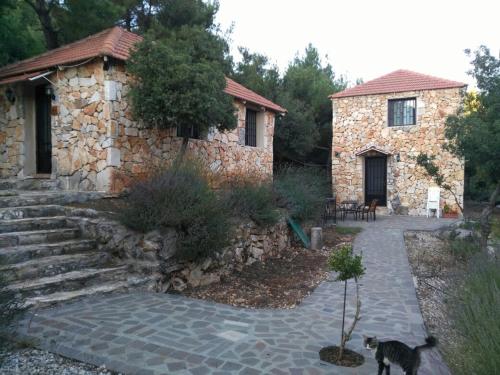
[(348, 266)]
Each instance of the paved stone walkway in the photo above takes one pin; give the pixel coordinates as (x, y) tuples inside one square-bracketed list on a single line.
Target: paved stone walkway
[(147, 333)]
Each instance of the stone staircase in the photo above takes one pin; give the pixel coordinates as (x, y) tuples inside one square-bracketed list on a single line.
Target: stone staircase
[(44, 255)]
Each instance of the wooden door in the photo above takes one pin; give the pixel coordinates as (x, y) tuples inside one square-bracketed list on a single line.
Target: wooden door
[(43, 102), (376, 179)]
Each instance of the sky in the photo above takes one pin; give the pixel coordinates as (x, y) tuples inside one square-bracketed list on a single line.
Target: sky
[(366, 39)]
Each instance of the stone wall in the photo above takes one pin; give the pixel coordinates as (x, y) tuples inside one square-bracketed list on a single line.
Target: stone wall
[(139, 148), (153, 253), (361, 122), (97, 145), (11, 135)]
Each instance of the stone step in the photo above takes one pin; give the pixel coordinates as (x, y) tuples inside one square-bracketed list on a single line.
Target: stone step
[(53, 265), (23, 212), (35, 198), (37, 223), (107, 287), (59, 297), (29, 184), (38, 236), (69, 281), (17, 254)]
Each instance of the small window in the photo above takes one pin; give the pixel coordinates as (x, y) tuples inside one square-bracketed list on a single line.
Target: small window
[(192, 131), (402, 112), (251, 128)]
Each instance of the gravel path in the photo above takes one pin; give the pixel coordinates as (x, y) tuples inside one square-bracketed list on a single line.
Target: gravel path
[(148, 333)]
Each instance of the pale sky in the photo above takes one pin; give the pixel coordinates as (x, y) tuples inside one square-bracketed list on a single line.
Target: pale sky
[(366, 39)]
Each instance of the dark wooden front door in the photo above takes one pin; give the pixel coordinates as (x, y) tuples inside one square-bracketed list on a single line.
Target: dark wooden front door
[(43, 130), (376, 179)]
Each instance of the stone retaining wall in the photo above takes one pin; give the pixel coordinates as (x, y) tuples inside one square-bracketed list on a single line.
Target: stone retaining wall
[(153, 253)]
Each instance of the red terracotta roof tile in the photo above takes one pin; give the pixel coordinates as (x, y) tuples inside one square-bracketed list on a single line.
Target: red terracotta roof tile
[(114, 42), (398, 81), (236, 90)]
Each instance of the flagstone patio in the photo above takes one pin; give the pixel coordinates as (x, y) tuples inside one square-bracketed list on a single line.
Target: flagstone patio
[(148, 333)]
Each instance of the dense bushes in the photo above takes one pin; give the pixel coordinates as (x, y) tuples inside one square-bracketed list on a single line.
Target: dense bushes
[(180, 197), (253, 200), (476, 314), (302, 192)]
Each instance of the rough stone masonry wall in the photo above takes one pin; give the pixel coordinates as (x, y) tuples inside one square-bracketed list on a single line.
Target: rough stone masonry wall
[(153, 254), (11, 135), (140, 148), (96, 144), (361, 121)]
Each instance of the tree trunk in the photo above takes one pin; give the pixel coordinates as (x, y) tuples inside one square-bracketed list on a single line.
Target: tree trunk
[(484, 219), (185, 141), (42, 10), (342, 344)]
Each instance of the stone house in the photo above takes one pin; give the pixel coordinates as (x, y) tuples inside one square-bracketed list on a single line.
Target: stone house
[(379, 127), (65, 116)]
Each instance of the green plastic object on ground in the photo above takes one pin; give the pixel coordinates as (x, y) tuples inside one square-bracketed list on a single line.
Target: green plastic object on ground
[(299, 232)]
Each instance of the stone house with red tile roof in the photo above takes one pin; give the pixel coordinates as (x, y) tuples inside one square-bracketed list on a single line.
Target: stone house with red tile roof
[(65, 115), (379, 128)]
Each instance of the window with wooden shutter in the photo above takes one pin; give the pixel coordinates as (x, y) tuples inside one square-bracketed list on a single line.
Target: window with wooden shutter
[(402, 112), (251, 128)]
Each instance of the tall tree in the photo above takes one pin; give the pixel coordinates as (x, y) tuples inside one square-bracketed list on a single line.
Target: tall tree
[(307, 84), (180, 70), (19, 32), (474, 133)]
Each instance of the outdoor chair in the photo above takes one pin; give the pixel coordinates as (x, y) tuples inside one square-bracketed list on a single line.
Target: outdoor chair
[(371, 209), (349, 207), (330, 212)]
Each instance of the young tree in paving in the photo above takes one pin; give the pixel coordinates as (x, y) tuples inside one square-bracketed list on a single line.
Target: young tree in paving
[(348, 266)]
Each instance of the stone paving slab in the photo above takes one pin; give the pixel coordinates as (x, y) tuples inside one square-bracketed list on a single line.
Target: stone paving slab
[(149, 333)]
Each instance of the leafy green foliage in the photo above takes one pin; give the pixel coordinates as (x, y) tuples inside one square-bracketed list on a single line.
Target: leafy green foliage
[(464, 248), (181, 198), (346, 264), (179, 70), (302, 191), (20, 37), (254, 201), (476, 313)]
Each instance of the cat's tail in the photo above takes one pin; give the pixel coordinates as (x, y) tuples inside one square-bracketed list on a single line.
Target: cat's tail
[(430, 342)]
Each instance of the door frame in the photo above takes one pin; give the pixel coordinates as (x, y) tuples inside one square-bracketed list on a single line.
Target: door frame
[(378, 156)]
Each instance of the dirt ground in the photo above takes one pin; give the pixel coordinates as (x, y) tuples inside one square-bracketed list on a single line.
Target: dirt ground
[(276, 282), (438, 276)]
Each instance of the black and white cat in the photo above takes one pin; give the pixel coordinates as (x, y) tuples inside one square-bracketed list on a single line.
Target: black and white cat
[(396, 352)]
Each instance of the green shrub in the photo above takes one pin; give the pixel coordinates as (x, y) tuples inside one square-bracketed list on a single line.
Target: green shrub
[(302, 192), (476, 316), (464, 248), (254, 201), (180, 197)]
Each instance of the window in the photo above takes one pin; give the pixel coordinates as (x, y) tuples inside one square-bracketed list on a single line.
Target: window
[(402, 112), (251, 128), (189, 131)]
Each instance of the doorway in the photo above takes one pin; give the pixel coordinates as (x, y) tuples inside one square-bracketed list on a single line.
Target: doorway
[(376, 179), (43, 129)]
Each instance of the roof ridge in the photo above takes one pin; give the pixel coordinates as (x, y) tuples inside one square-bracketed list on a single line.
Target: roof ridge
[(399, 80), (58, 49), (111, 40)]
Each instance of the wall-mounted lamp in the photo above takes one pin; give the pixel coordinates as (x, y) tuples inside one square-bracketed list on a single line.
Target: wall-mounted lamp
[(398, 158), (10, 95), (49, 91), (337, 154)]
